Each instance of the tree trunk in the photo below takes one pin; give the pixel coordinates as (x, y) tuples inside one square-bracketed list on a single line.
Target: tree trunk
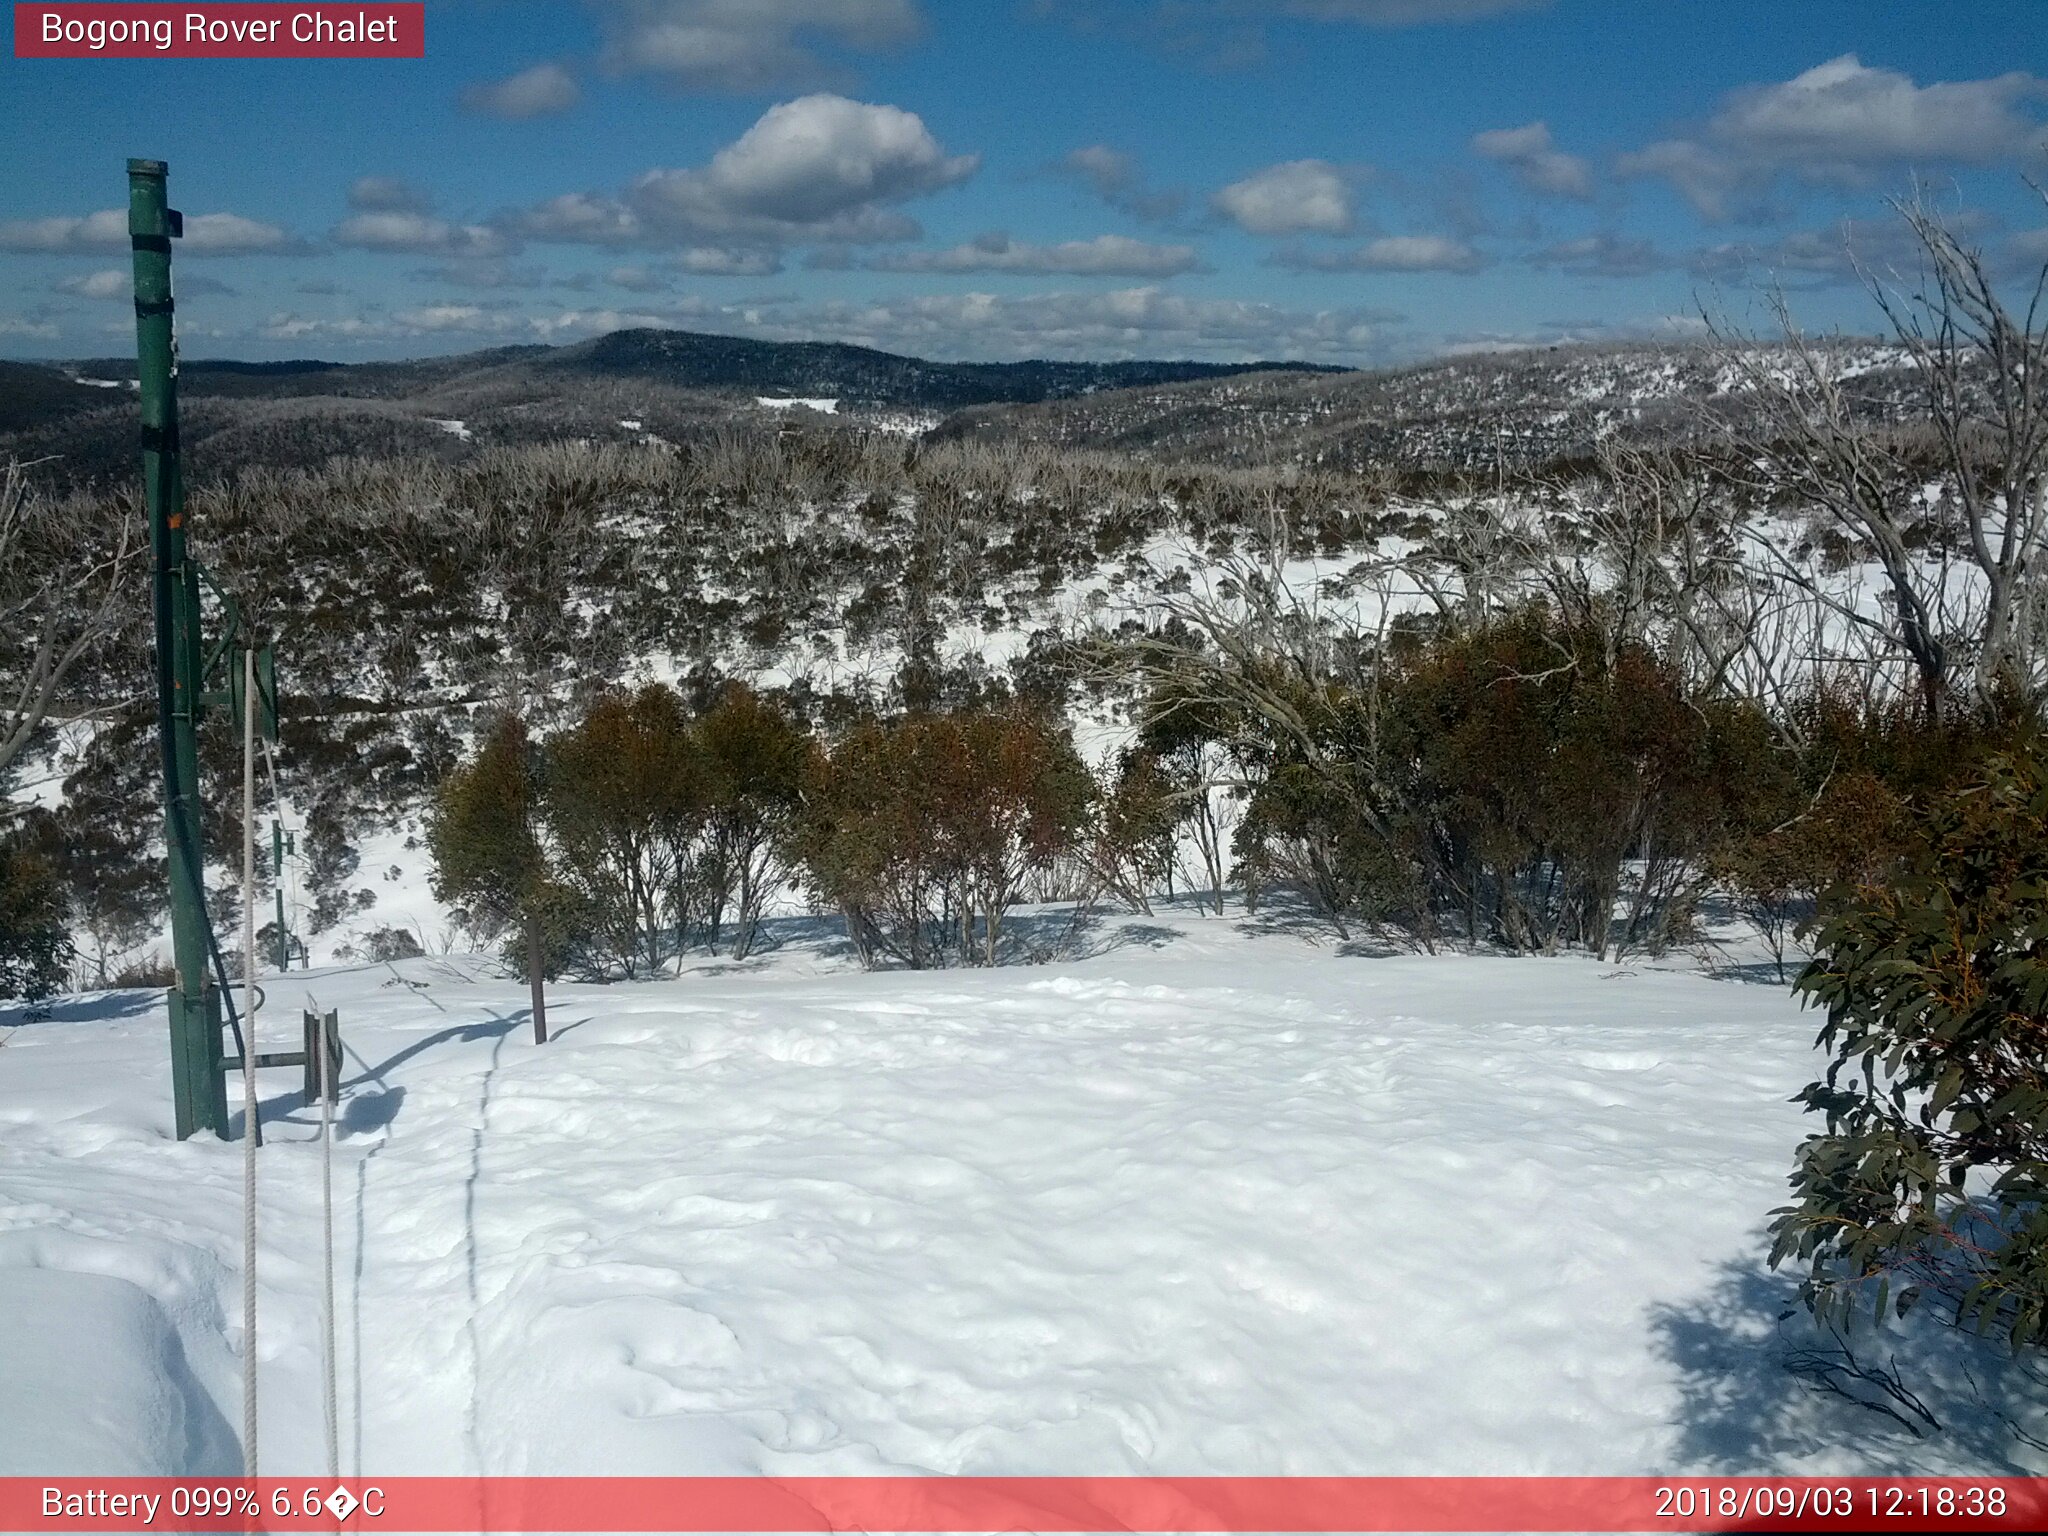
[(534, 961)]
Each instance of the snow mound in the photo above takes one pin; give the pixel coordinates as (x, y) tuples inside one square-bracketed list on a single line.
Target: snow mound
[(98, 1384)]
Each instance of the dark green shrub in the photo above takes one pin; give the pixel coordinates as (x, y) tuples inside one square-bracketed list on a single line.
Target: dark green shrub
[(484, 838), (35, 946), (1932, 1173), (925, 831), (626, 794), (756, 758)]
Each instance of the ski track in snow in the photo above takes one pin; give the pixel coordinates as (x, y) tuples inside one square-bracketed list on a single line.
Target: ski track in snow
[(1216, 1200)]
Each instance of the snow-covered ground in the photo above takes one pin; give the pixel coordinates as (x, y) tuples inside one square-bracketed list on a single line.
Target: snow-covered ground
[(1220, 1196)]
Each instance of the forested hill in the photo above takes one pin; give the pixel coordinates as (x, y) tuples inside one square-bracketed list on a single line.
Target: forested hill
[(77, 417), (862, 376), (1484, 411), (1510, 408)]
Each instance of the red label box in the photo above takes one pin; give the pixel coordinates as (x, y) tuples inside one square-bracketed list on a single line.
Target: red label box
[(1181, 1506), (220, 31)]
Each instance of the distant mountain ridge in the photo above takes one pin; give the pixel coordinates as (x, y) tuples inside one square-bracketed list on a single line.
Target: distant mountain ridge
[(858, 377), (865, 377), (1516, 407), (1479, 411), (633, 383)]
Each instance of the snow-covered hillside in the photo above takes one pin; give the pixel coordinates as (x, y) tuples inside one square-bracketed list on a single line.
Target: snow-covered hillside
[(1217, 1197)]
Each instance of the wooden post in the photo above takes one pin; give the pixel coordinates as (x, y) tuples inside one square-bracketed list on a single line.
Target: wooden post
[(323, 1036), (535, 956)]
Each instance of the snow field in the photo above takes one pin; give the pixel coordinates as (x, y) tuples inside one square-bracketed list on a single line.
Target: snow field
[(1216, 1200), (1213, 1201)]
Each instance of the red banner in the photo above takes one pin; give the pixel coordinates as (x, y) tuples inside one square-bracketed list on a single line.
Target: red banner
[(217, 31), (1050, 1504)]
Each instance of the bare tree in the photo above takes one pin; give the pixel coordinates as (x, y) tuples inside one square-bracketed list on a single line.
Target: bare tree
[(63, 593), (1983, 371), (1979, 369)]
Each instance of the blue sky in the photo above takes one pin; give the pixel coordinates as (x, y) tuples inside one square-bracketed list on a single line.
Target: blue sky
[(1354, 181)]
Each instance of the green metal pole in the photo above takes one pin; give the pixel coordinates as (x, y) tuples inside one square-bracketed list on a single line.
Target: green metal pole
[(284, 952), (198, 1083)]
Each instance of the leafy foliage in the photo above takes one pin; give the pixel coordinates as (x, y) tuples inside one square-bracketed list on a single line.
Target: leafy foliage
[(483, 833), (756, 759), (35, 948), (625, 797), (1527, 783), (923, 831), (1933, 1170)]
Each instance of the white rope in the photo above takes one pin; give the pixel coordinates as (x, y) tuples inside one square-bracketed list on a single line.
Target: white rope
[(278, 874), (249, 1064), (324, 1077), (327, 1244)]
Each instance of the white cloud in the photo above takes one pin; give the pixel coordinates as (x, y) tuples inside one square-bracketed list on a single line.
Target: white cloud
[(1846, 251), (206, 234), (453, 317), (1115, 177), (542, 91), (1135, 322), (287, 325), (747, 45), (1531, 154), (229, 234), (636, 279), (1104, 256), (817, 168), (1601, 255), (567, 325), (1108, 171), (1391, 253), (581, 218), (118, 283), (36, 330), (1841, 121), (816, 158), (103, 231), (719, 261), (109, 284), (486, 272), (1704, 177), (1843, 113), (420, 234), (1295, 197), (461, 320), (1131, 322), (386, 194)]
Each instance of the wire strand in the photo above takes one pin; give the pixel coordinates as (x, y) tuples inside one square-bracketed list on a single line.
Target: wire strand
[(249, 1115)]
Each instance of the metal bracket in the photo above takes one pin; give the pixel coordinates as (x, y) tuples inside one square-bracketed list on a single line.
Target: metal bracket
[(232, 613)]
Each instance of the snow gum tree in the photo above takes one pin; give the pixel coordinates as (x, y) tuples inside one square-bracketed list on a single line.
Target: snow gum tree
[(484, 836), (625, 798), (1932, 1174), (1962, 568), (925, 830), (756, 759), (67, 577), (35, 949)]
